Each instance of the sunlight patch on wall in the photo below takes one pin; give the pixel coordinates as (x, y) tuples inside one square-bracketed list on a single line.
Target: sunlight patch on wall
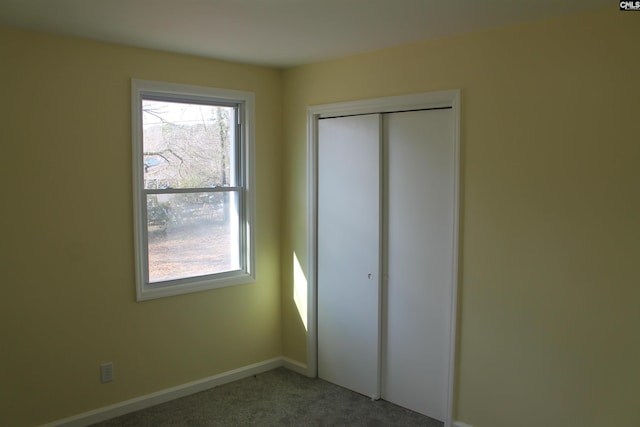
[(300, 290)]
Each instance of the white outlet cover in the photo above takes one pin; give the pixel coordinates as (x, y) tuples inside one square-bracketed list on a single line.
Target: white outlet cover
[(106, 372)]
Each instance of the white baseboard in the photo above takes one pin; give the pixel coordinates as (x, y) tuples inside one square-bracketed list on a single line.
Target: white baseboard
[(461, 424), (172, 393), (295, 366)]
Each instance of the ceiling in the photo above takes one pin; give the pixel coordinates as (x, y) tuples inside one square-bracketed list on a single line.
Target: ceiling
[(279, 33)]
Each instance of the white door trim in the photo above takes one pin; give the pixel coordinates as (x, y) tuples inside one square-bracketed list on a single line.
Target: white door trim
[(429, 100)]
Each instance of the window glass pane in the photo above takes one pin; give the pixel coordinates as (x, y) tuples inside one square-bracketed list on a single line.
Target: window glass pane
[(187, 145), (192, 234)]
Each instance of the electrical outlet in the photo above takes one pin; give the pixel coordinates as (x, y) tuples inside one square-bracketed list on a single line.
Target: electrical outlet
[(106, 372)]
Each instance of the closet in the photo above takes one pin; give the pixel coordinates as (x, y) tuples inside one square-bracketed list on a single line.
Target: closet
[(386, 255)]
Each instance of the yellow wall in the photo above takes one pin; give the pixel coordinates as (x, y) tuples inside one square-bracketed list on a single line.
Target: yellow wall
[(550, 284), (67, 263)]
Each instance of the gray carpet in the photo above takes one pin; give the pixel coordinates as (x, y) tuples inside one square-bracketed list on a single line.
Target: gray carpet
[(275, 398)]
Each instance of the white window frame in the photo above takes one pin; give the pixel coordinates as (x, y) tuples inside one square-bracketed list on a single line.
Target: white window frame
[(245, 102)]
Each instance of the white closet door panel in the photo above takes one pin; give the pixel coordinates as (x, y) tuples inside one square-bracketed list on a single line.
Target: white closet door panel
[(349, 252), (419, 258)]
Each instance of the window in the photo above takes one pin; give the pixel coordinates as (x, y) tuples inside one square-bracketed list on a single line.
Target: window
[(193, 188)]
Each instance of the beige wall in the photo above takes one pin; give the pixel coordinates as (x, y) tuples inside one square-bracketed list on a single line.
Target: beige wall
[(67, 264), (550, 285)]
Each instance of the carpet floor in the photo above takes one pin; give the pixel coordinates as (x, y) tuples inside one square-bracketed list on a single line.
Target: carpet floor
[(275, 398)]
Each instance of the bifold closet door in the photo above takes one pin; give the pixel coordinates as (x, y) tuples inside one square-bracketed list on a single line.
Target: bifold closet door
[(419, 222), (349, 252)]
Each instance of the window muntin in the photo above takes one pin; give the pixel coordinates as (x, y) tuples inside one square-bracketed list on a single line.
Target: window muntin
[(192, 173)]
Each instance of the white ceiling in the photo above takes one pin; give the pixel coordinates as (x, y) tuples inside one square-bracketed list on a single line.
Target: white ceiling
[(279, 33)]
